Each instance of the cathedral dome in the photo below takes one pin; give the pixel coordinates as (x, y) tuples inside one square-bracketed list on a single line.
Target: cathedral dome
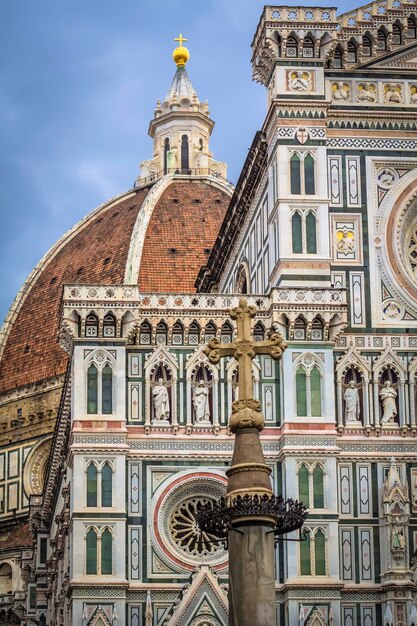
[(156, 237)]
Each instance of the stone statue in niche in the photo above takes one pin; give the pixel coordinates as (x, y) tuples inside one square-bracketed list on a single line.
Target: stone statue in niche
[(393, 94), (398, 540), (299, 81), (161, 401), (352, 403), (388, 397), (341, 91), (366, 92), (201, 403)]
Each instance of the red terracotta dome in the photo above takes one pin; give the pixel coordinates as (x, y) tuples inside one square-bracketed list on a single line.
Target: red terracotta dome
[(156, 237)]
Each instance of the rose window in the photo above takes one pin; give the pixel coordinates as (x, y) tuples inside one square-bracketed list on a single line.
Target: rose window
[(175, 534), (185, 530)]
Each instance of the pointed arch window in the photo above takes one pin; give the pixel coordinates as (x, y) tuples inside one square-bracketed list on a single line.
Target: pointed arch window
[(411, 28), (318, 487), (145, 334), (210, 331), (194, 334), (300, 328), (303, 485), (295, 174), (309, 175), (352, 56), (91, 325), (99, 551), (292, 47), (308, 387), (311, 485), (161, 333), (91, 560), (367, 45), (305, 555), (185, 159), (92, 485), (226, 333), (106, 485), (107, 389), (311, 233), (397, 34), (308, 48), (258, 332), (177, 334), (320, 553), (302, 174), (106, 551), (109, 325), (304, 232), (100, 389), (338, 58), (92, 390), (297, 233), (167, 148), (382, 39), (317, 330), (315, 392), (301, 391), (312, 553)]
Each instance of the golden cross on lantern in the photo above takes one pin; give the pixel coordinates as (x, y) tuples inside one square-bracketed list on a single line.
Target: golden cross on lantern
[(181, 39), (246, 411)]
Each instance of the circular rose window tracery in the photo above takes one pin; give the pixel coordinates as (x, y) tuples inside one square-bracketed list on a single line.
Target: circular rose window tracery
[(185, 530), (175, 534)]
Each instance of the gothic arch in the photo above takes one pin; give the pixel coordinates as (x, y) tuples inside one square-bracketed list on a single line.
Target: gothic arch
[(194, 361), (242, 278), (35, 467), (161, 356)]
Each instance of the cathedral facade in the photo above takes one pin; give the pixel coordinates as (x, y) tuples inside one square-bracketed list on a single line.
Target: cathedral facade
[(114, 424)]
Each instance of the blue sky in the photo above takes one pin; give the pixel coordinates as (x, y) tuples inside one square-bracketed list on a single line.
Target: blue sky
[(79, 80)]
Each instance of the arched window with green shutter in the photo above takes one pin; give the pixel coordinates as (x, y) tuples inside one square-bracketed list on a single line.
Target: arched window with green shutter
[(301, 391), (92, 390), (318, 487), (91, 485), (305, 556), (185, 159), (107, 389), (311, 233), (106, 485), (315, 383), (295, 174), (309, 175), (91, 560), (297, 233), (106, 552), (303, 485), (320, 553)]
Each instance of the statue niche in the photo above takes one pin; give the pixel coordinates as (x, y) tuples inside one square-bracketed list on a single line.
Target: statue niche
[(388, 397), (353, 394), (202, 394), (161, 395)]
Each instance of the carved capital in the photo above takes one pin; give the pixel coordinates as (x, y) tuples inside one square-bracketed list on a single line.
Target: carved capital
[(246, 414)]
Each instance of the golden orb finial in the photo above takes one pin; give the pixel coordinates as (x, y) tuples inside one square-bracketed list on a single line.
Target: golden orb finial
[(180, 54)]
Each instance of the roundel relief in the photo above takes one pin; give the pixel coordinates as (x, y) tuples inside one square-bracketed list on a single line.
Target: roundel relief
[(35, 468), (176, 534)]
